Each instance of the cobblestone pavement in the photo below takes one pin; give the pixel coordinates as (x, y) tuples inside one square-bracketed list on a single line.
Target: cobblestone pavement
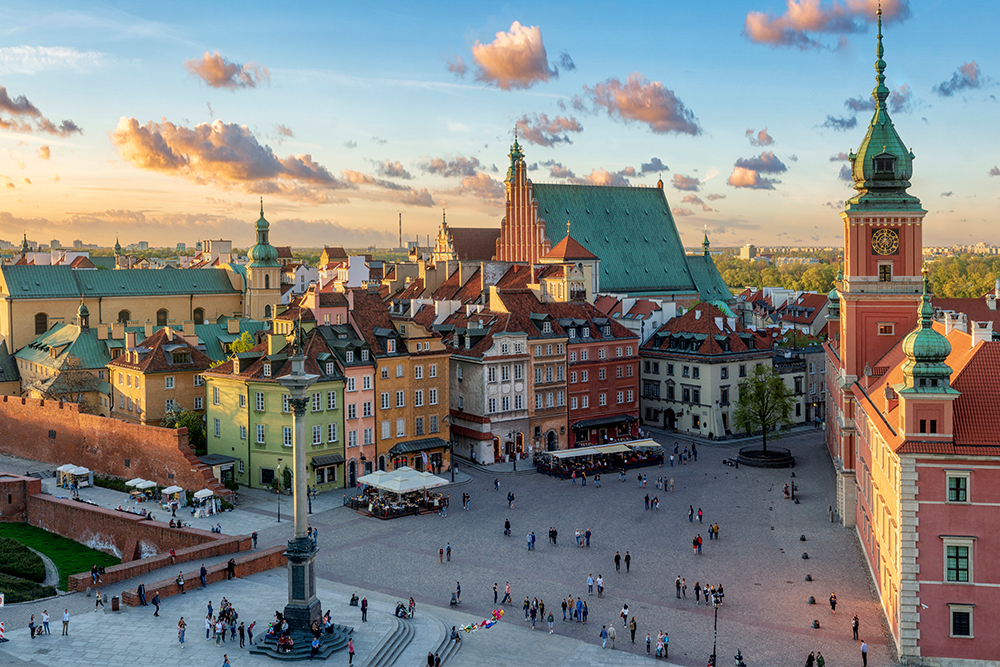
[(758, 560)]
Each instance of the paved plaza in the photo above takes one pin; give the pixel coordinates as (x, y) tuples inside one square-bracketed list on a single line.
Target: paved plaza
[(758, 560)]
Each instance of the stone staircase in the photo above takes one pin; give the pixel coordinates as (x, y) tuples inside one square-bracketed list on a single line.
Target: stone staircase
[(446, 648), (331, 643), (393, 644)]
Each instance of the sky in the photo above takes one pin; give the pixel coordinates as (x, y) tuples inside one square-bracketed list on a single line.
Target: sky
[(167, 122)]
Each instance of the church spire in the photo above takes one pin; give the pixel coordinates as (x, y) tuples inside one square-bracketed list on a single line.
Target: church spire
[(705, 244), (880, 93)]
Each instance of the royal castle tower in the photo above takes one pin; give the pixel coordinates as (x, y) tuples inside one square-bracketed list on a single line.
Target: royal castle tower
[(263, 274), (881, 287)]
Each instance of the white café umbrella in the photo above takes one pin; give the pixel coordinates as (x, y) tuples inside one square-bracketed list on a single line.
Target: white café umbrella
[(400, 485), (203, 493), (170, 490), (146, 485), (80, 470), (429, 480), (373, 478), (135, 482)]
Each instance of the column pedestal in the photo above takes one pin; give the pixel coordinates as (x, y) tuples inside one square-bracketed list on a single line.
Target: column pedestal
[(303, 606)]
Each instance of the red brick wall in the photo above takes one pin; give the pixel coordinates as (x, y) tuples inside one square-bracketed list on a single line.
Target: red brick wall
[(14, 492), (58, 433), (252, 563)]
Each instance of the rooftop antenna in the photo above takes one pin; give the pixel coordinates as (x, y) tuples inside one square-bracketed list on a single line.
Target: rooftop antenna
[(401, 229)]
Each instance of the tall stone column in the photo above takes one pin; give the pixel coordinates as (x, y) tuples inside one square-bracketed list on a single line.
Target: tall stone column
[(303, 606)]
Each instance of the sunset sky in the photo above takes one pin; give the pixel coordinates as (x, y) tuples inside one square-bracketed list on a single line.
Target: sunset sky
[(166, 122)]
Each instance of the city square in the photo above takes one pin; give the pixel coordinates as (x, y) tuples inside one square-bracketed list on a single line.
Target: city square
[(757, 559)]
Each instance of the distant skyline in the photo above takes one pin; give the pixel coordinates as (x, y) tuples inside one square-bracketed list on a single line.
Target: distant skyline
[(167, 123)]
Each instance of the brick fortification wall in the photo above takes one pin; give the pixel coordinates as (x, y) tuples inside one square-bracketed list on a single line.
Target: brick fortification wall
[(14, 493), (58, 433)]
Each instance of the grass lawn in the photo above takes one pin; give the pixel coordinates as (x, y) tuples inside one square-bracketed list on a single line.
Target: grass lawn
[(69, 557)]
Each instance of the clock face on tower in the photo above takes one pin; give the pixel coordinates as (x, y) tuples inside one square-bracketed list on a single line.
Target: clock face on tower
[(885, 242)]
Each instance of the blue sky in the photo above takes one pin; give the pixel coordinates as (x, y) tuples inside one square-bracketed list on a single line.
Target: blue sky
[(342, 115)]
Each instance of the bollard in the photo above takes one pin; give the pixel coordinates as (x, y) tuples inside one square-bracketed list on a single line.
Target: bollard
[(802, 538), (805, 556), (809, 577), (812, 600), (816, 624)]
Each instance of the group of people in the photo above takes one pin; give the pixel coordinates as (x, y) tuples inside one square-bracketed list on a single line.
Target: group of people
[(534, 610), (217, 625), (685, 456), (710, 592), (402, 611)]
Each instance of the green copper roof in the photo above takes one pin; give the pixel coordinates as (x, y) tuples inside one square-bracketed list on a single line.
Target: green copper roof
[(263, 254), (883, 165), (69, 340), (633, 233), (926, 350), (62, 282), (213, 335), (708, 280)]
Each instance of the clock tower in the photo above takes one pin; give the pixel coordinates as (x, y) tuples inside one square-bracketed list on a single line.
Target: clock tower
[(882, 283)]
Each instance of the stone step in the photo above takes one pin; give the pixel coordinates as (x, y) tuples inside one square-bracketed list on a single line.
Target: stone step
[(330, 644), (446, 648), (393, 645)]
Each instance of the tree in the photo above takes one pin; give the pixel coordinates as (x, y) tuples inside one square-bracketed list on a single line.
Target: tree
[(74, 384), (765, 404), (191, 420), (244, 343)]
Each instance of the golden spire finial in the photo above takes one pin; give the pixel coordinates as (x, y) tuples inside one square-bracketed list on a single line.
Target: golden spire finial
[(567, 227)]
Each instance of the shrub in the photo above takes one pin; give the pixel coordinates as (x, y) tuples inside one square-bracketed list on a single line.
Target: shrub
[(225, 505), (113, 483), (232, 486), (21, 590), (18, 560)]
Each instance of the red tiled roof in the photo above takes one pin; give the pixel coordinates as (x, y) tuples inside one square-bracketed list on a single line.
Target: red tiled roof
[(472, 243), (569, 248), (976, 310), (917, 447), (296, 312), (804, 309), (609, 305), (425, 317), (458, 414), (331, 299), (448, 288), (516, 277), (155, 360), (701, 321), (643, 308), (83, 262), (975, 409), (369, 312), (284, 251), (334, 253), (471, 290), (412, 291), (469, 433)]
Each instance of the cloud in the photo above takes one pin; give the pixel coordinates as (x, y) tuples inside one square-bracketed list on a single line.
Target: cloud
[(901, 100), (642, 101), (379, 141), (714, 197), (857, 104), (605, 177), (540, 130), (681, 212), (515, 59), (845, 174), (220, 72), (767, 163), (484, 187), (842, 124), (17, 114), (566, 62), (460, 166), (804, 18), (35, 59), (948, 194), (682, 182), (559, 171), (284, 131), (350, 143), (44, 152), (223, 154), (995, 171), (26, 180), (391, 169), (793, 158), (761, 138), (457, 66), (654, 164), (696, 201), (840, 157), (748, 178), (398, 193), (967, 77)]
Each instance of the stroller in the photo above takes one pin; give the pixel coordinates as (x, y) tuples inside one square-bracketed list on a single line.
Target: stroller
[(454, 600)]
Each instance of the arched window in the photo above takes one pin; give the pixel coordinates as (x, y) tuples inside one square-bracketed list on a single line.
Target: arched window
[(267, 311), (161, 317), (124, 316), (199, 315), (267, 281), (41, 323)]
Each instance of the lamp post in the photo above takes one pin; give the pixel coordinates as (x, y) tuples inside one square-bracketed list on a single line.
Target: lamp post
[(279, 490), (303, 606), (716, 602)]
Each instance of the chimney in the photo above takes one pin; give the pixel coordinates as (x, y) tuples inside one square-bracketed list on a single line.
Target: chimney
[(275, 343), (102, 332), (482, 277), (148, 329), (891, 398), (130, 340), (232, 326), (980, 331), (188, 327), (118, 331)]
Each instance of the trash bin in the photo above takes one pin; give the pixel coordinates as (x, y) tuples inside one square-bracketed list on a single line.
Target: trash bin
[(114, 603)]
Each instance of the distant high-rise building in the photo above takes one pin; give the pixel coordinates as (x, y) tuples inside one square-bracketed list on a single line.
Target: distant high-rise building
[(142, 245), (54, 243), (749, 251), (77, 244), (181, 247)]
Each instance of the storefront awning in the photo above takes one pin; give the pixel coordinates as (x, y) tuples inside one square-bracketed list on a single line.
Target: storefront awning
[(574, 453), (616, 448), (326, 460), (422, 445), (610, 420)]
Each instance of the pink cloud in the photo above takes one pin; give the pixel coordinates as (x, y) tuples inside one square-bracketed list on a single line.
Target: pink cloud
[(540, 130), (515, 59), (761, 138), (18, 114), (219, 72), (682, 182), (696, 201), (483, 186), (457, 66), (642, 101), (749, 178), (459, 166), (559, 171), (806, 17), (681, 212), (605, 177), (44, 153)]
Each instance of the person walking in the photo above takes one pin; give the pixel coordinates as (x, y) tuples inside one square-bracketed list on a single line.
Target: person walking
[(579, 610), (715, 529), (441, 555), (447, 552), (811, 660), (510, 500), (350, 651), (181, 625), (666, 645), (45, 622), (242, 633), (820, 660), (699, 515), (506, 527), (458, 594), (364, 610), (534, 613), (495, 589), (854, 626), (697, 591), (586, 536), (618, 562), (698, 539), (590, 584), (250, 632), (496, 484), (551, 619), (677, 585), (684, 587), (98, 599), (31, 626), (611, 635), (65, 621), (647, 501), (526, 606), (586, 611), (631, 628), (691, 513), (506, 593), (624, 615), (203, 574), (156, 602), (864, 654), (583, 477), (628, 562), (833, 602), (564, 609), (600, 586), (528, 539), (604, 636), (648, 642)]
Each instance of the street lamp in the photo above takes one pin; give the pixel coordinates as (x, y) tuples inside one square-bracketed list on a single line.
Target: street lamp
[(716, 602), (279, 490)]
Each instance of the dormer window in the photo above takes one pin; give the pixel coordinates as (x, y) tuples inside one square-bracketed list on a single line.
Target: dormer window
[(572, 333), (349, 356), (329, 368), (586, 332), (267, 370), (547, 327), (884, 164), (364, 355), (390, 346), (607, 330)]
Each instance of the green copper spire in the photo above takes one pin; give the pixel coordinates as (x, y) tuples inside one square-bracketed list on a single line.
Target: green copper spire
[(705, 244), (118, 247), (515, 156), (263, 253), (25, 248), (926, 350), (883, 165)]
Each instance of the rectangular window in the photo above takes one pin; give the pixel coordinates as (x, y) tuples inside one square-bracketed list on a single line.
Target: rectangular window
[(285, 405), (505, 373), (366, 409), (366, 382), (491, 374), (518, 372), (266, 476), (385, 400), (317, 434), (331, 432), (199, 402), (400, 428), (400, 398), (584, 355), (601, 353), (686, 372), (243, 400), (352, 410), (961, 620), (630, 396), (670, 392), (286, 436), (584, 375), (621, 397), (218, 428), (538, 401), (743, 370), (386, 430), (619, 372), (886, 329), (602, 399), (390, 346), (434, 424), (958, 487), (418, 398), (572, 403), (418, 372), (618, 352), (243, 432), (696, 372), (572, 378), (670, 369), (548, 400), (199, 381), (433, 370), (267, 370), (628, 371), (885, 273), (330, 367), (215, 395), (572, 357), (724, 372), (349, 356), (399, 371), (317, 401), (957, 563), (418, 426), (433, 396), (724, 396), (686, 394), (505, 404), (602, 374), (491, 405), (548, 373), (560, 399), (385, 372), (369, 436), (584, 402), (168, 382), (538, 375), (260, 434)]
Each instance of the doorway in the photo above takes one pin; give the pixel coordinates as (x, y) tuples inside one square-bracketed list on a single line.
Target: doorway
[(551, 443), (352, 474)]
